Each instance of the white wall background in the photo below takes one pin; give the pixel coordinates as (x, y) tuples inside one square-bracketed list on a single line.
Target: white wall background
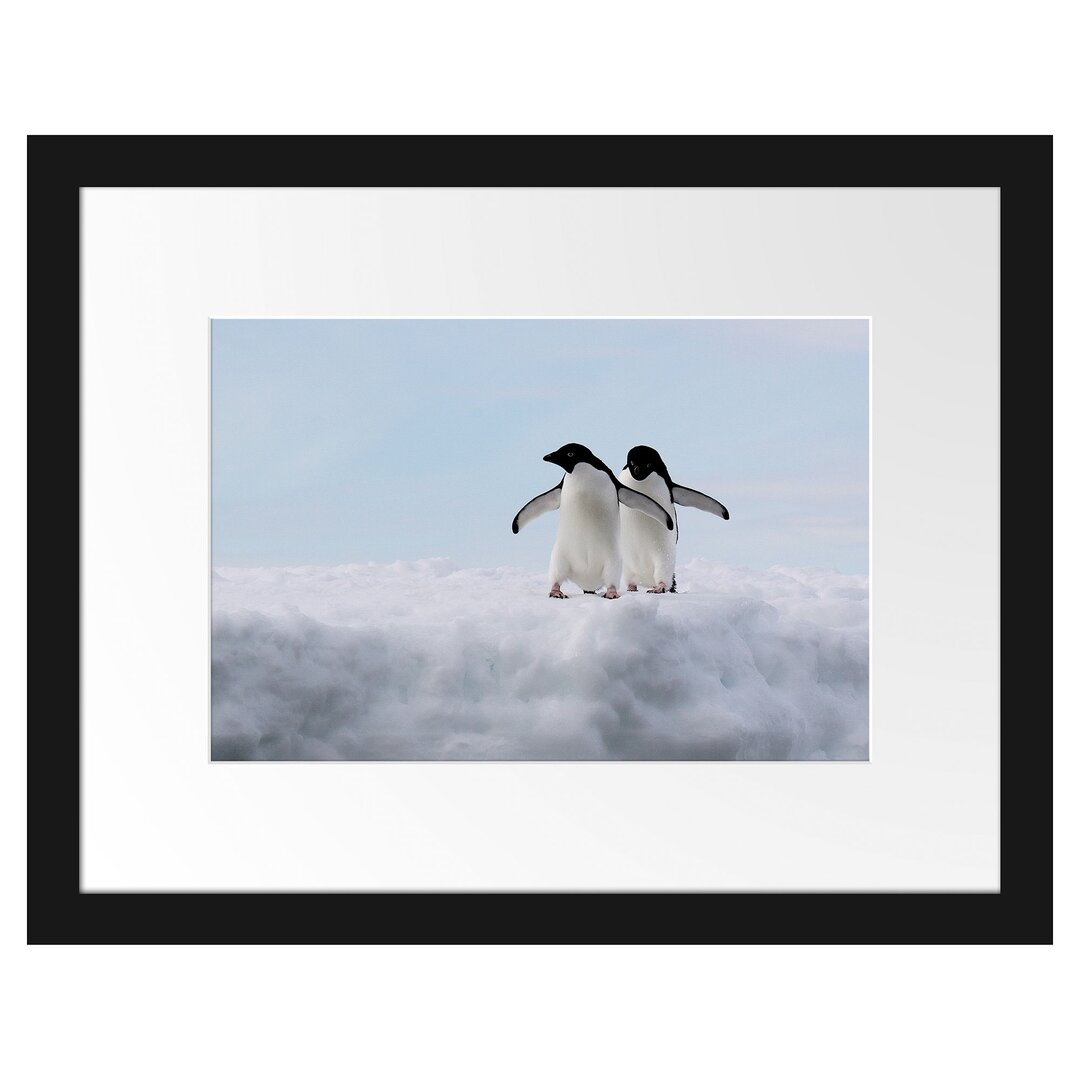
[(782, 68)]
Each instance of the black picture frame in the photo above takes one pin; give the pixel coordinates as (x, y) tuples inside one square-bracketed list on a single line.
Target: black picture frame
[(60, 166)]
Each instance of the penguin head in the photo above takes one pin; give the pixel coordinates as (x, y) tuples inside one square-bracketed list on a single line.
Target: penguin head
[(643, 461), (573, 454)]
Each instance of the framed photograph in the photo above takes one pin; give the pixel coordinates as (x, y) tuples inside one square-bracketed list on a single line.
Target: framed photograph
[(450, 538)]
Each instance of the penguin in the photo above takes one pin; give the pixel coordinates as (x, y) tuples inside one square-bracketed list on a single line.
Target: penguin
[(648, 551), (587, 546)]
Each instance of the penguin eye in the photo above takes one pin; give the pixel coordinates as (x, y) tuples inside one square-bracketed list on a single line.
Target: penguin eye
[(569, 453)]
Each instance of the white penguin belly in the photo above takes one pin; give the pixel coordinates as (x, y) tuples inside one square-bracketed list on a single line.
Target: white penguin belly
[(587, 543), (648, 547)]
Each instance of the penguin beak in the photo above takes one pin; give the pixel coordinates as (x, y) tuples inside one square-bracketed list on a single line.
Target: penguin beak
[(550, 457)]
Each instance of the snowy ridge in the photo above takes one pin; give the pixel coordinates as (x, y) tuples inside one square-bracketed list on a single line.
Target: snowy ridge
[(422, 660)]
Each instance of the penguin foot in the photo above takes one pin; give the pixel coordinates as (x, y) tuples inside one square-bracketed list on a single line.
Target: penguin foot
[(661, 586), (611, 593), (557, 593), (631, 588)]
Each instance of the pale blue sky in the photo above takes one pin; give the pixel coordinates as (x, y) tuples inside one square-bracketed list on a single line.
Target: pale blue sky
[(382, 439)]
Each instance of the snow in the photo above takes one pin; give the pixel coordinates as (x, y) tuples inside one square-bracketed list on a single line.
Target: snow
[(423, 660)]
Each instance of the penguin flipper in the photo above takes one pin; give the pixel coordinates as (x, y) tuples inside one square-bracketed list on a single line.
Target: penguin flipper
[(636, 501), (685, 496), (550, 500)]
